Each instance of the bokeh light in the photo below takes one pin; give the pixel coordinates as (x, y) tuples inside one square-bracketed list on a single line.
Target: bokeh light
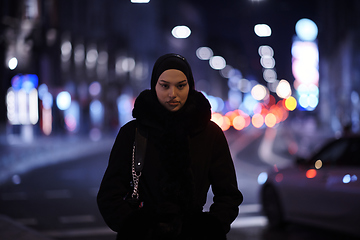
[(311, 173), (262, 30), (270, 120), (217, 118), (226, 123), (11, 106), (270, 75), (33, 106), (318, 164), (91, 57), (267, 62), (66, 49), (306, 29), (222, 121), (257, 120), (125, 104), (97, 113), (181, 32), (235, 99), (94, 88), (259, 92), (79, 54), (265, 51), (217, 62), (63, 100), (305, 65), (226, 71), (262, 178), (204, 53), (283, 89), (306, 52), (12, 64), (279, 177), (346, 178), (239, 122), (290, 103), (244, 85)]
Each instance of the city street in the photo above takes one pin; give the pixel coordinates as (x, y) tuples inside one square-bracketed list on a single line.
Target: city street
[(280, 78), (59, 200)]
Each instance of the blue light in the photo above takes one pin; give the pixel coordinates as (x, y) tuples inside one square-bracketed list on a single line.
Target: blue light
[(96, 113), (32, 78), (346, 178), (125, 106), (248, 105), (306, 29), (63, 100), (262, 178), (354, 178), (26, 82), (47, 100), (43, 89)]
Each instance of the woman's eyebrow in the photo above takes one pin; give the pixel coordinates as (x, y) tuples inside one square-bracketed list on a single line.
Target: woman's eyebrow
[(163, 81)]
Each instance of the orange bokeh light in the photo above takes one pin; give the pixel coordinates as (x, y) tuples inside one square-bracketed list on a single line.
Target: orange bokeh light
[(311, 173), (217, 118), (226, 123), (270, 120), (239, 122), (222, 121), (257, 120)]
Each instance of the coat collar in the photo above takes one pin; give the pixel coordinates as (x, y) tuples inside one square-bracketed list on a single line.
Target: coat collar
[(193, 116)]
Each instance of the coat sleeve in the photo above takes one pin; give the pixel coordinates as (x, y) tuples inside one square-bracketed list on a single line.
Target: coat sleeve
[(115, 184), (227, 196)]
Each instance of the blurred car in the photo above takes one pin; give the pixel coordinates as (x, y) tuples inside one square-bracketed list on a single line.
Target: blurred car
[(322, 191)]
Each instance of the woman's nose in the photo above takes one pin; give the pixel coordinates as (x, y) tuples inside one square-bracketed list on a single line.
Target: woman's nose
[(172, 92)]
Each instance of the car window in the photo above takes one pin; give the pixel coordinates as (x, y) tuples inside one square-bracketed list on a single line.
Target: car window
[(352, 155), (332, 153)]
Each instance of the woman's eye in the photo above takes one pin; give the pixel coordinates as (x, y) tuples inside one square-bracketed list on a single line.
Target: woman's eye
[(164, 85), (181, 86)]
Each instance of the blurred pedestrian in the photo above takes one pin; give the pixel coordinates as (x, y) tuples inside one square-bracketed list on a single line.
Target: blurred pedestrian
[(161, 196)]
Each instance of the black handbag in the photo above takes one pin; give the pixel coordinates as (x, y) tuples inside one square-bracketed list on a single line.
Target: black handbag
[(138, 156)]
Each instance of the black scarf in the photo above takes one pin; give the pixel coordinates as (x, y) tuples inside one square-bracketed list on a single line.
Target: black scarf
[(192, 117), (170, 132)]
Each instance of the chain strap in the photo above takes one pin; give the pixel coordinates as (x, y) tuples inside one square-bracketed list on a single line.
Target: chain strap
[(135, 177)]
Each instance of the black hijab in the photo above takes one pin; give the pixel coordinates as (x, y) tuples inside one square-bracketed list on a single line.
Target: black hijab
[(193, 116), (171, 61)]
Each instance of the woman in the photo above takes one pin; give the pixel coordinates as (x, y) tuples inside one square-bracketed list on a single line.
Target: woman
[(186, 153)]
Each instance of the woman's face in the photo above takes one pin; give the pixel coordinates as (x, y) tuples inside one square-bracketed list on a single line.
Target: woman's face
[(172, 89)]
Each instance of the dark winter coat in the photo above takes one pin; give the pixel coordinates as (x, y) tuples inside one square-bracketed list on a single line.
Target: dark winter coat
[(186, 154)]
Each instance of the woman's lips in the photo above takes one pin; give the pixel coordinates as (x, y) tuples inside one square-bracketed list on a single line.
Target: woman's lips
[(173, 103)]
